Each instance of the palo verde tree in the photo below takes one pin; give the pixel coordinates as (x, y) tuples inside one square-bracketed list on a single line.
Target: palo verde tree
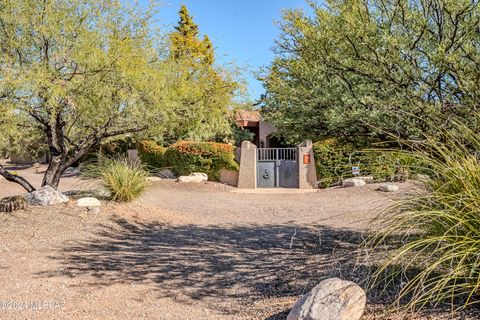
[(79, 72), (203, 92), (355, 66)]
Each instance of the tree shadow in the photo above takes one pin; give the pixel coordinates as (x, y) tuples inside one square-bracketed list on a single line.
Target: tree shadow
[(235, 265)]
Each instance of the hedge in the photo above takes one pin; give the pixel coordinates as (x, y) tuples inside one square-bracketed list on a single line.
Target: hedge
[(334, 160), (185, 157), (207, 157), (152, 154)]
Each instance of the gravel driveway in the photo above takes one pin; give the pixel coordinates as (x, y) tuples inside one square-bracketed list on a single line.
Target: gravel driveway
[(182, 251)]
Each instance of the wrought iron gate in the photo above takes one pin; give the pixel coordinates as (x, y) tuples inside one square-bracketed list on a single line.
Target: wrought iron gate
[(277, 167)]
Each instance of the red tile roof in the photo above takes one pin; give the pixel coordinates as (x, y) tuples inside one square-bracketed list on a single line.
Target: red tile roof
[(247, 115)]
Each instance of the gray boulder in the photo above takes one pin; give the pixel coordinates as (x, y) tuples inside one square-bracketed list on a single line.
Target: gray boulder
[(367, 179), (88, 202), (354, 182), (193, 177), (93, 210), (388, 187), (422, 177), (331, 299), (165, 174), (45, 196), (154, 179)]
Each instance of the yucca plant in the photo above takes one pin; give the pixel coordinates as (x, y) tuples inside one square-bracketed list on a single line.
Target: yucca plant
[(437, 251), (123, 180)]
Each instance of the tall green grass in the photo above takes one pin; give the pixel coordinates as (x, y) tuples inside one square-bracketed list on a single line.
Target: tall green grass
[(437, 251), (123, 180)]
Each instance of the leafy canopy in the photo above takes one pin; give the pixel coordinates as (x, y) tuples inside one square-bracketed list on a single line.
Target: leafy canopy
[(80, 72), (356, 68)]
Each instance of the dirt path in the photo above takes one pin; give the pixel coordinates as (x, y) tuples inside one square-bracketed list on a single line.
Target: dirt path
[(181, 252)]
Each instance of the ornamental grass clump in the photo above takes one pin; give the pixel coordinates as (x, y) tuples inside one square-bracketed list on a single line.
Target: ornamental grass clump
[(436, 253), (123, 180)]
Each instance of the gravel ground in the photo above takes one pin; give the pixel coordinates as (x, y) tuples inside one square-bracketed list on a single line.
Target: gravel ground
[(183, 251)]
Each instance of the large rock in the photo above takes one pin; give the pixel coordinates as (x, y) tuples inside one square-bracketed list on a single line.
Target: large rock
[(46, 196), (193, 177), (154, 179), (88, 202), (422, 177), (331, 299), (388, 187), (165, 174), (367, 179), (354, 182)]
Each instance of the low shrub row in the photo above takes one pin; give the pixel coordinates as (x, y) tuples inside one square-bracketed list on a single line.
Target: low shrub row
[(185, 157), (152, 154), (334, 160)]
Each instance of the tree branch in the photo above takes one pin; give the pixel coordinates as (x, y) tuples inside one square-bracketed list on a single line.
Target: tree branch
[(17, 179)]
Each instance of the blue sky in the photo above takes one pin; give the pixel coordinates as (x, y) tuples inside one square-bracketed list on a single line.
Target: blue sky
[(243, 31)]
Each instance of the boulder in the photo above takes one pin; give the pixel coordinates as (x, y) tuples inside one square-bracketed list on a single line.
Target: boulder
[(93, 210), (154, 179), (331, 299), (200, 174), (388, 187), (193, 177), (45, 196), (367, 179), (88, 202), (354, 182), (422, 177), (165, 174)]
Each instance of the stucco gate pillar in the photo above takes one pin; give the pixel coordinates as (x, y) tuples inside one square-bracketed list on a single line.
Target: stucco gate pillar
[(307, 174), (247, 177)]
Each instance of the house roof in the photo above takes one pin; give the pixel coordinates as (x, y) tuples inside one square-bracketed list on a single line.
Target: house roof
[(248, 115)]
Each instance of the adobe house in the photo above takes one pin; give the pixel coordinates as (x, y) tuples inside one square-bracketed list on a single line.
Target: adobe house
[(252, 121), (266, 162)]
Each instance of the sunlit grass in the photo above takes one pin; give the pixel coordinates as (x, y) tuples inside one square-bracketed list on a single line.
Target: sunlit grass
[(438, 230), (124, 181)]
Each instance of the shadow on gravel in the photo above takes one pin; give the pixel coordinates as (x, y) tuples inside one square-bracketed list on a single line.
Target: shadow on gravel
[(238, 264)]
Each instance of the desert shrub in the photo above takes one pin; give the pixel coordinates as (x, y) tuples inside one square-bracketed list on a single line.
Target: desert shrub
[(152, 154), (186, 157), (334, 160), (438, 230), (124, 181)]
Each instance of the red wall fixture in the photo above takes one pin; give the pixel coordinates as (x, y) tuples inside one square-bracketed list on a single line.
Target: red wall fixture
[(306, 158)]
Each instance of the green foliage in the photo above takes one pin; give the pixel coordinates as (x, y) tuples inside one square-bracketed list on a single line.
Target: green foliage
[(152, 154), (208, 157), (438, 230), (80, 72), (334, 160), (185, 42), (362, 68), (185, 157), (202, 92), (241, 134), (123, 180)]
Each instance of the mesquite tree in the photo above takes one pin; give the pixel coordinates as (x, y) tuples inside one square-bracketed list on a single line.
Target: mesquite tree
[(362, 67), (79, 72)]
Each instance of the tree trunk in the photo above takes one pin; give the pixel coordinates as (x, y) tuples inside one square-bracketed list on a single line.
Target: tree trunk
[(54, 172), (17, 179)]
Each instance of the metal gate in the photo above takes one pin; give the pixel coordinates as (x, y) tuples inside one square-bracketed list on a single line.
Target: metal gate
[(277, 168)]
